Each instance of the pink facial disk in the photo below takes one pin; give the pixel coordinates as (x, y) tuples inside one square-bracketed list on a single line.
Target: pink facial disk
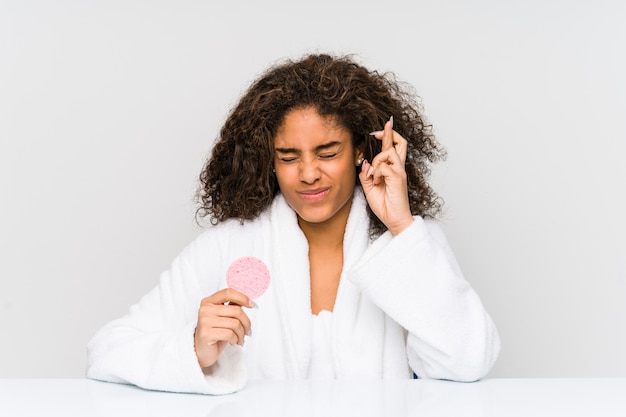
[(248, 275)]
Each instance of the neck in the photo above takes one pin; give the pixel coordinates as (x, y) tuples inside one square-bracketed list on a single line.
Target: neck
[(329, 233)]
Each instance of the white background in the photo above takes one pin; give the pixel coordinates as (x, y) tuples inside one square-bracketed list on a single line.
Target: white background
[(108, 110)]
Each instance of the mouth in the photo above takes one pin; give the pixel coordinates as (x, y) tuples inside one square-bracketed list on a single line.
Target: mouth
[(314, 196)]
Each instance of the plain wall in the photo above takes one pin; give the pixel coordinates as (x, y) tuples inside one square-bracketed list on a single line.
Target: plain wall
[(108, 110)]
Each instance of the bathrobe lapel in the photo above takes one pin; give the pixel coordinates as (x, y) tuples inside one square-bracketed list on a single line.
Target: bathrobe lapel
[(293, 289), (358, 324)]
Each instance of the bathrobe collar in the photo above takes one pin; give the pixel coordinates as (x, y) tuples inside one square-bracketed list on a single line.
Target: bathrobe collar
[(291, 277)]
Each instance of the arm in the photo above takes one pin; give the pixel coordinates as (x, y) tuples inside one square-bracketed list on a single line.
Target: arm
[(153, 345), (412, 275), (416, 280)]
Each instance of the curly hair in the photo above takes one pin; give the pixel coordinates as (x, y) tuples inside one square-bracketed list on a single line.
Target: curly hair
[(238, 180)]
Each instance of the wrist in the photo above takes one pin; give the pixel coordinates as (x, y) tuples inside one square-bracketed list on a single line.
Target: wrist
[(400, 226)]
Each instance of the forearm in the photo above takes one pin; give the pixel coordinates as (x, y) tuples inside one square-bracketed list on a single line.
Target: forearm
[(133, 351), (153, 345), (415, 280), (160, 360)]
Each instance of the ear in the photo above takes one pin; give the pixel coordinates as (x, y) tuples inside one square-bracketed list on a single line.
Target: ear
[(358, 156)]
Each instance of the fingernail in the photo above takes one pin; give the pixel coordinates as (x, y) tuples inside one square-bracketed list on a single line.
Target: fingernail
[(253, 304), (249, 332), (391, 120), (377, 132), (370, 172)]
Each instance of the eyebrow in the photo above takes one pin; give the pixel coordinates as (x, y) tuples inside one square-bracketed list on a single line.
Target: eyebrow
[(321, 147)]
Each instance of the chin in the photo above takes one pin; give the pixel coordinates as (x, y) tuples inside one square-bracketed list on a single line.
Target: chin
[(313, 218), (319, 214)]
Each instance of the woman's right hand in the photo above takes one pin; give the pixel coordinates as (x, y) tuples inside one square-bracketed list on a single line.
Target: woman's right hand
[(221, 321)]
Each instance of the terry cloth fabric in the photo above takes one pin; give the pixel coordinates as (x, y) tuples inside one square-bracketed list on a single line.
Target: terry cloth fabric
[(322, 365), (402, 306)]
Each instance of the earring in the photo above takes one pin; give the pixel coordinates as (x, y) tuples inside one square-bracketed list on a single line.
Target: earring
[(359, 161)]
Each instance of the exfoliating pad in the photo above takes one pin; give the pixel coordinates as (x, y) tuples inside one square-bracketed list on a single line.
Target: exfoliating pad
[(248, 275)]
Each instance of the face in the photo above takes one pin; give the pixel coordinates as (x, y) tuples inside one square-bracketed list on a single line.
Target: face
[(315, 166)]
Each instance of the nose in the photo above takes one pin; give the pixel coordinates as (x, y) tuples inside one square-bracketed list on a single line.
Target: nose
[(309, 170)]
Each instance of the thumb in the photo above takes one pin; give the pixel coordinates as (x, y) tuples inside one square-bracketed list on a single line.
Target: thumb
[(365, 175)]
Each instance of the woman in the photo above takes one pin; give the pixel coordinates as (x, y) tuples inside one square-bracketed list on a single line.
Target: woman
[(320, 171)]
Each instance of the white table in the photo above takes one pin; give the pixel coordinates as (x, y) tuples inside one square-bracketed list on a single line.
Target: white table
[(492, 397)]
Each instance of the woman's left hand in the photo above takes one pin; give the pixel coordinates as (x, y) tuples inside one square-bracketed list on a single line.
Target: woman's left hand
[(384, 181)]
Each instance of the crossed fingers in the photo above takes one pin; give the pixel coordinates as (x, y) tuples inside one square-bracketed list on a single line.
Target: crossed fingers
[(392, 156)]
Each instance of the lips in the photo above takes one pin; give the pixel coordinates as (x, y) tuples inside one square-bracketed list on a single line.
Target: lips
[(314, 196)]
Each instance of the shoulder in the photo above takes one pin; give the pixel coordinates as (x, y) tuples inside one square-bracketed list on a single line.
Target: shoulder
[(232, 229), (234, 235), (219, 238)]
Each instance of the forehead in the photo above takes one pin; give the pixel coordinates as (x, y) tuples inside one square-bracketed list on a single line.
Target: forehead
[(306, 126)]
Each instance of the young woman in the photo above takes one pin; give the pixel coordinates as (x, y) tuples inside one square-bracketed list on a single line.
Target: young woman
[(321, 172)]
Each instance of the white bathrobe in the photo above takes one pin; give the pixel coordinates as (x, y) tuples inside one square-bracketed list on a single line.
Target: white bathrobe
[(402, 307)]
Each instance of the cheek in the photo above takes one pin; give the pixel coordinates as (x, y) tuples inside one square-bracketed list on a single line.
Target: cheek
[(285, 177), (347, 172)]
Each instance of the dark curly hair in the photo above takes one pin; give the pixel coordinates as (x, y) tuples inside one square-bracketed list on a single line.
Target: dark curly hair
[(237, 180)]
